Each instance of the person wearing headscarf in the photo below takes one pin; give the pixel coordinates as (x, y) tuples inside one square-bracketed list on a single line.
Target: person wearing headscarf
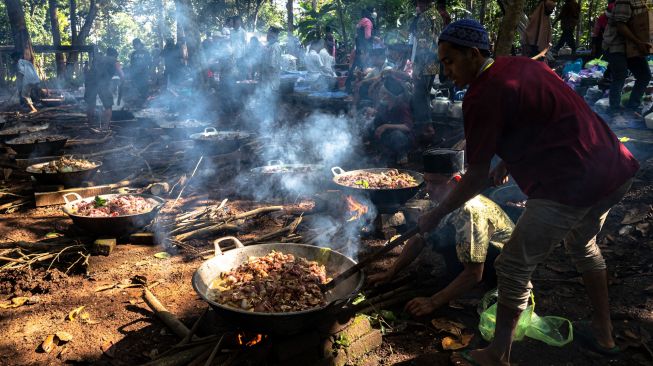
[(469, 239), (562, 155)]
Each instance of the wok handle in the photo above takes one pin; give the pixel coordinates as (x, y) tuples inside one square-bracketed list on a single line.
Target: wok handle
[(275, 162), (210, 129), (77, 197), (336, 170), (216, 244)]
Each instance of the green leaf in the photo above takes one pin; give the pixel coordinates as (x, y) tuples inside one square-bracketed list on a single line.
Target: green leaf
[(624, 139), (53, 234), (163, 255), (99, 201), (363, 183), (359, 299)]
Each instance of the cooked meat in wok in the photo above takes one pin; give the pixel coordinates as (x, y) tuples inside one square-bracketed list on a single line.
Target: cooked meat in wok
[(66, 164), (35, 138), (275, 283), (389, 179), (121, 205)]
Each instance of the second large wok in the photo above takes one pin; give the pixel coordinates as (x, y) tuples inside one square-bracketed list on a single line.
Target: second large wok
[(389, 196), (276, 323), (112, 225)]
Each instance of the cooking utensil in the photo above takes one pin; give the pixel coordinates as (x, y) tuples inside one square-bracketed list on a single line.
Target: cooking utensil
[(220, 142), (388, 196), (276, 323), (440, 106), (68, 179), (456, 110), (115, 225), (389, 245), (40, 146)]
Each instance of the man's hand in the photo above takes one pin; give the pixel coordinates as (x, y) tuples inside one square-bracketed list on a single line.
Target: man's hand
[(420, 306), (380, 130), (499, 174), (380, 278)]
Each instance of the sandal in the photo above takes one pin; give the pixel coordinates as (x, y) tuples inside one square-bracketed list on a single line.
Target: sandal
[(583, 332), (463, 358)]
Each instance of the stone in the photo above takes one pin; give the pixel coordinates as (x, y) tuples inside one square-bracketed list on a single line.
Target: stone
[(104, 246)]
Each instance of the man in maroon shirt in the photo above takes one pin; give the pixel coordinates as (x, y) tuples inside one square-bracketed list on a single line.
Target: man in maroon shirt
[(560, 153)]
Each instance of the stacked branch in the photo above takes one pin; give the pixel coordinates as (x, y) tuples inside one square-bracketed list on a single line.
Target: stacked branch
[(66, 254)]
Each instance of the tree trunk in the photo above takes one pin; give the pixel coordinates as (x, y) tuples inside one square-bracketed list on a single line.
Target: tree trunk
[(341, 17), (481, 14), (161, 22), (22, 41), (257, 9), (56, 37), (508, 27), (73, 21), (314, 4), (289, 9), (187, 29), (79, 38)]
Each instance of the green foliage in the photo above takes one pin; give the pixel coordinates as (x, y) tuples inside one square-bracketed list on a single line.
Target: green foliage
[(313, 22)]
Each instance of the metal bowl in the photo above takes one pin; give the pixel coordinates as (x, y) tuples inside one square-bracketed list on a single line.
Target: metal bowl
[(116, 225), (68, 179)]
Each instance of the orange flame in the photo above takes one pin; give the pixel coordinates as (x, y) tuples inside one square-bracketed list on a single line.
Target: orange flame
[(252, 341), (356, 209)]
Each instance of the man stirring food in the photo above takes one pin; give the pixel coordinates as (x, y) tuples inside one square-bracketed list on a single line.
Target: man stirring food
[(562, 155), (469, 238)]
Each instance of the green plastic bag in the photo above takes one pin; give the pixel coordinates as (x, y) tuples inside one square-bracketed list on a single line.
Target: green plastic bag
[(542, 328)]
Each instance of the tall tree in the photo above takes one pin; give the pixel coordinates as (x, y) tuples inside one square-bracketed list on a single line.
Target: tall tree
[(22, 41), (79, 38), (187, 29), (508, 27), (481, 15), (56, 37), (289, 9)]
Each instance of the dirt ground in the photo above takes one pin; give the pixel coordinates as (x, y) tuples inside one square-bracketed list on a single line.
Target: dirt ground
[(122, 330), (118, 327)]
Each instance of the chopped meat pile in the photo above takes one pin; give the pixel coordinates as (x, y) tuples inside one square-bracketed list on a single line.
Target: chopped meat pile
[(275, 283), (66, 164), (389, 179), (116, 206)]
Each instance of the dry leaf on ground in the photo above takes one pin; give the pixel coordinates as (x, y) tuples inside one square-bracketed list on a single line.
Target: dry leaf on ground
[(454, 343)]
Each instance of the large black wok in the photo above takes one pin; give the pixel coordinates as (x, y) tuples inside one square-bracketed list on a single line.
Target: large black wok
[(276, 323), (40, 146), (13, 132), (289, 178), (219, 142), (181, 130), (68, 179), (386, 197), (117, 225)]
